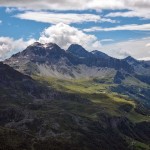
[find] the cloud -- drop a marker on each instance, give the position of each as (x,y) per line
(61,34)
(135,48)
(77,5)
(9,46)
(65,35)
(142,27)
(145,14)
(0,21)
(145,58)
(107,40)
(66,18)
(147,45)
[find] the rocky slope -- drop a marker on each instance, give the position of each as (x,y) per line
(49,60)
(78,100)
(35,116)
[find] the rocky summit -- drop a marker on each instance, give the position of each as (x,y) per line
(51,60)
(56,99)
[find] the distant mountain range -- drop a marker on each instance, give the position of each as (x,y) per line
(55,99)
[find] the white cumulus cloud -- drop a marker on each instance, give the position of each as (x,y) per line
(135,48)
(9,46)
(62,34)
(65,35)
(147,45)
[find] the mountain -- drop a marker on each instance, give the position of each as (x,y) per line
(135,84)
(49,113)
(15,85)
(60,98)
(130,59)
(13,81)
(140,67)
(100,54)
(78,51)
(76,62)
(20,88)
(49,60)
(147,63)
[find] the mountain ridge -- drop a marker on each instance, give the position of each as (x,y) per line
(39,52)
(58,100)
(49,60)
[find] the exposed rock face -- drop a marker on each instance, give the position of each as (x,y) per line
(120,76)
(51,60)
(18,85)
(100,54)
(78,51)
(131,60)
(34,116)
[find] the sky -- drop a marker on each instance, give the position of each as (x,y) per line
(119,28)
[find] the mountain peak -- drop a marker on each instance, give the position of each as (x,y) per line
(38,51)
(100,54)
(76,46)
(131,60)
(36,44)
(46,45)
(78,50)
(50,45)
